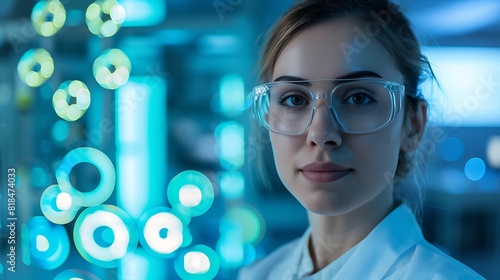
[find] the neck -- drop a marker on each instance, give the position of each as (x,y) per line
(332,236)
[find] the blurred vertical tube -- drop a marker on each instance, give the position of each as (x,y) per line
(141,160)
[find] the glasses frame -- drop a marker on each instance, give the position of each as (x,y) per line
(393,89)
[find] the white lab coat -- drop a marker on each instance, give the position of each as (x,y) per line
(394,249)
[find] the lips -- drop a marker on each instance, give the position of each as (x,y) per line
(324,172)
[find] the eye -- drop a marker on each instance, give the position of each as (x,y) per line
(359,98)
(294,101)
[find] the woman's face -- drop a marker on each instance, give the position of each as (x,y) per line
(331,172)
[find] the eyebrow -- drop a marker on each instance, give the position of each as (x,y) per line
(352,75)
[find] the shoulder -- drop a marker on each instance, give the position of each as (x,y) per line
(416,258)
(425,261)
(281,257)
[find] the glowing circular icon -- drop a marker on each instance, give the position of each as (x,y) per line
(160,231)
(191,193)
(75,274)
(35,67)
(104,17)
(197,263)
(48,16)
(246,221)
(104,234)
(474,169)
(97,158)
(112,69)
(45,245)
(72,89)
(57,206)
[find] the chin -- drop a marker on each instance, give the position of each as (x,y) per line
(328,205)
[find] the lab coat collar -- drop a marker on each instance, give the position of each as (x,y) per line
(395,234)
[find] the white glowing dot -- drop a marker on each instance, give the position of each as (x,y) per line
(117,14)
(42,244)
(109,28)
(493,152)
(196,262)
(64,201)
(174,228)
(190,195)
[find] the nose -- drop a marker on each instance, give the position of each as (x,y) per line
(324,130)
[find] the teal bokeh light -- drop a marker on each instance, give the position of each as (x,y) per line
(197,263)
(232,95)
(45,245)
(60,131)
(104,235)
(56,206)
(245,222)
(48,17)
(68,90)
(161,232)
(105,17)
(75,274)
(97,158)
(144,12)
(38,177)
(35,67)
(232,184)
(112,69)
(190,193)
(230,136)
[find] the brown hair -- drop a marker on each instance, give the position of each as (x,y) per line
(382,20)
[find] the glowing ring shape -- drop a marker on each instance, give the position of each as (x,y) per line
(161,232)
(67,90)
(97,158)
(35,67)
(112,69)
(104,8)
(75,274)
(47,244)
(57,206)
(48,17)
(182,185)
(197,263)
(104,235)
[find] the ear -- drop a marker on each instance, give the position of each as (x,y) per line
(414,127)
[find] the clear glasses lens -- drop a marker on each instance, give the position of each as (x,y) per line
(357,106)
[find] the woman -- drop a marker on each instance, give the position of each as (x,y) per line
(344,114)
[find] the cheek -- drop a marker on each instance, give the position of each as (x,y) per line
(283,147)
(280,146)
(377,154)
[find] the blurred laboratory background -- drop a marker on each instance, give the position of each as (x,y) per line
(127,151)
